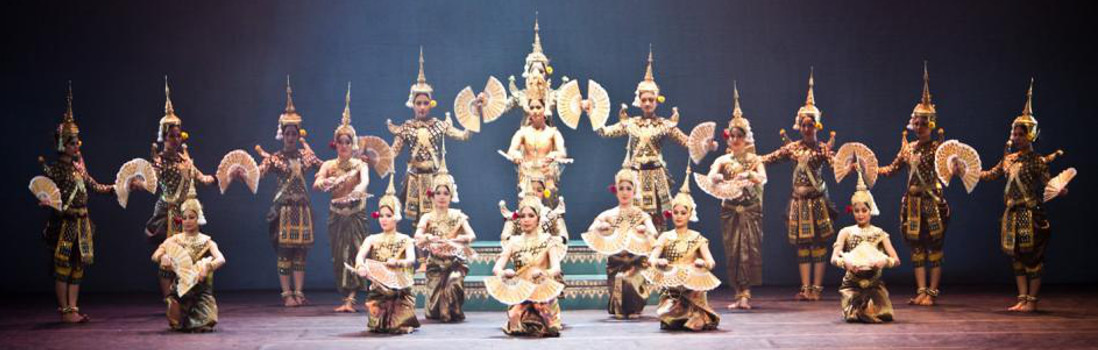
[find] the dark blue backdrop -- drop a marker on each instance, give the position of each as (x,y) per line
(228,60)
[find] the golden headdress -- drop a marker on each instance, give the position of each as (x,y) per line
(67,128)
(1027,120)
(738,121)
(290,115)
(443,177)
(345,127)
(684,198)
(648,84)
(809,108)
(627,173)
(421,86)
(536,55)
(169,119)
(532,201)
(192,203)
(862,195)
(390,200)
(925,108)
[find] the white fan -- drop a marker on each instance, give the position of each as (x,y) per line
(855,151)
(44,188)
(186,270)
(1056,184)
(966,155)
(237,159)
(729,189)
(700,138)
(135,168)
(509,291)
(864,256)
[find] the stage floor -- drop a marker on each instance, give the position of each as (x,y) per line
(968,317)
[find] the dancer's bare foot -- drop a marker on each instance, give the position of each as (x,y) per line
(288,299)
(1021,302)
(929,299)
(815,293)
(299,296)
(803,295)
(348,306)
(73,315)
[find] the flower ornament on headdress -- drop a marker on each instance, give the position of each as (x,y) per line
(809,109)
(925,108)
(648,84)
(738,121)
(67,128)
(169,119)
(390,200)
(421,86)
(862,195)
(684,198)
(1027,120)
(289,117)
(345,127)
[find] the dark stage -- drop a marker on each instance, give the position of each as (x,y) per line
(968,317)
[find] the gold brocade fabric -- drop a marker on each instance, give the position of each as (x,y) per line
(646,137)
(1023,218)
(683,309)
(196,310)
(628,289)
(424,139)
(810,214)
(391,311)
(924,213)
(291,217)
(70,233)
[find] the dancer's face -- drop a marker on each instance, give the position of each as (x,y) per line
(922,127)
(422,106)
(528,219)
(680,216)
(807,126)
(290,136)
(625,192)
(386,219)
(737,140)
(537,113)
(190,221)
(72,147)
(1018,137)
(861,213)
(344,146)
(648,103)
(174,138)
(441,197)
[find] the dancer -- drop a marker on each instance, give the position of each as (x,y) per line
(863,251)
(535,256)
(176,173)
(445,234)
(686,306)
(346,178)
(290,219)
(69,232)
(392,310)
(737,179)
(423,135)
(924,212)
(193,257)
(1025,226)
(810,210)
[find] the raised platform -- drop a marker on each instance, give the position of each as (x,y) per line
(968,318)
(584,277)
